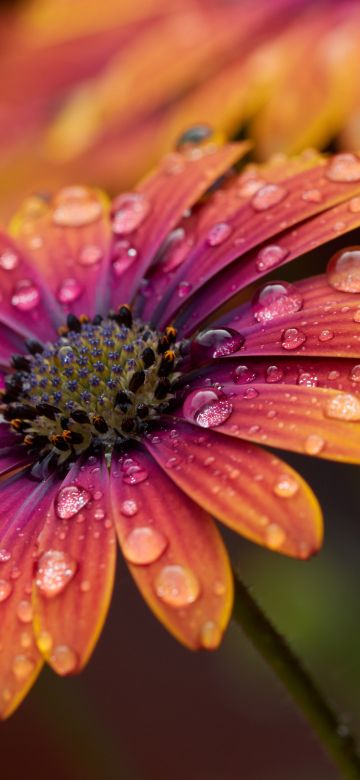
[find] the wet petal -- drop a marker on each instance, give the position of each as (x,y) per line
(247,488)
(173,550)
(74,570)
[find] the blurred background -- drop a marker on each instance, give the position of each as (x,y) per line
(96,92)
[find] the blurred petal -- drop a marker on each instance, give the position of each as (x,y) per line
(75,569)
(173,550)
(247,488)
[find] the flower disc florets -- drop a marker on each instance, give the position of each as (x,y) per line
(103,381)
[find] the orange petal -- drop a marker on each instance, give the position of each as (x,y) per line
(247,488)
(173,550)
(75,569)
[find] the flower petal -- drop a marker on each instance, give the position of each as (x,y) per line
(173,550)
(20,661)
(75,569)
(68,240)
(247,488)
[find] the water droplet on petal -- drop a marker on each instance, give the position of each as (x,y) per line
(174,250)
(292,338)
(274,536)
(133,472)
(344,167)
(274,374)
(268,196)
(218,233)
(129,508)
(286,486)
(308,379)
(128,212)
(343,406)
(343,270)
(55,570)
(5,590)
(356,317)
(184,289)
(326,335)
(69,291)
(25,611)
(70,500)
(314,444)
(5,555)
(206,408)
(177,586)
(23,667)
(26,295)
(90,255)
(210,635)
(276,299)
(124,255)
(9,260)
(63,659)
(243,374)
(355,373)
(270,256)
(144,545)
(75,207)
(354,205)
(312,196)
(216,342)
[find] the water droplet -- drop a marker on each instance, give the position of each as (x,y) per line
(218,233)
(343,270)
(175,249)
(128,212)
(44,642)
(26,640)
(90,255)
(243,374)
(5,590)
(326,335)
(99,514)
(23,667)
(177,586)
(214,343)
(276,299)
(314,444)
(5,555)
(55,570)
(274,536)
(194,136)
(129,508)
(354,205)
(124,256)
(9,260)
(343,406)
(144,545)
(269,257)
(63,659)
(355,373)
(344,167)
(210,635)
(25,611)
(133,472)
(286,486)
(70,500)
(292,338)
(356,317)
(250,392)
(184,289)
(268,196)
(206,408)
(274,374)
(26,295)
(308,379)
(75,207)
(69,291)
(312,196)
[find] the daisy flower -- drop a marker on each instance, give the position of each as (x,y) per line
(139,380)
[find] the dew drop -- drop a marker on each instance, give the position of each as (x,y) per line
(355,373)
(218,233)
(26,295)
(354,205)
(23,667)
(314,444)
(343,270)
(343,406)
(292,338)
(124,255)
(344,167)
(69,291)
(144,545)
(214,343)
(184,289)
(274,374)
(133,472)
(5,590)
(9,260)
(63,659)
(5,555)
(206,408)
(269,257)
(210,635)
(177,586)
(356,317)
(55,570)
(286,486)
(312,196)
(128,212)
(308,379)
(90,255)
(326,335)
(243,374)
(268,196)
(75,207)
(129,508)
(274,536)
(25,611)
(276,299)
(70,500)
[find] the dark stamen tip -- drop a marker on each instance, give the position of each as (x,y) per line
(34,347)
(136,381)
(148,357)
(99,423)
(73,323)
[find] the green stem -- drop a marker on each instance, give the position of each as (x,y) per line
(333,735)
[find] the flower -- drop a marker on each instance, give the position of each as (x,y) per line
(137,386)
(79,88)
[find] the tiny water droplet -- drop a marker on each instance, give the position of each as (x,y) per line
(90,255)
(5,590)
(129,508)
(274,374)
(286,486)
(326,335)
(354,205)
(343,270)
(133,472)
(128,212)
(274,536)
(5,555)
(210,635)
(25,611)
(270,256)
(218,233)
(268,196)
(26,295)
(175,250)
(55,570)
(308,379)
(75,207)
(144,545)
(177,586)
(276,299)
(23,667)
(243,374)
(314,444)
(63,659)
(355,373)
(312,196)
(292,338)
(124,255)
(69,291)
(184,289)
(9,259)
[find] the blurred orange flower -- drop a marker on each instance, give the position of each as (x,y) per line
(79,87)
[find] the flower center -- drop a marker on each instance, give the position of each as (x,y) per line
(101,382)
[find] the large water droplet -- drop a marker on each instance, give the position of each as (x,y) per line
(343,406)
(343,270)
(268,196)
(243,374)
(69,291)
(9,259)
(215,342)
(5,590)
(133,472)
(344,167)
(128,212)
(292,338)
(269,257)
(144,545)
(286,486)
(26,295)
(63,659)
(175,250)
(218,233)
(177,586)
(55,570)
(207,408)
(276,299)
(129,508)
(75,207)
(70,500)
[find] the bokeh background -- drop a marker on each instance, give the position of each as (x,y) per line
(95,92)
